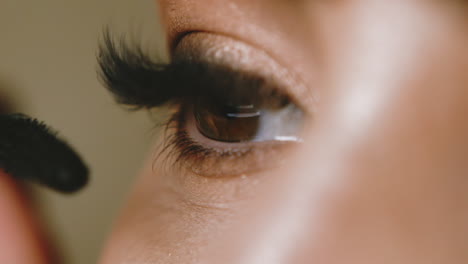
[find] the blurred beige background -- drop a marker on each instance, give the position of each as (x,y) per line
(47,68)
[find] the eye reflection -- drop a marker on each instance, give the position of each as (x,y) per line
(275,119)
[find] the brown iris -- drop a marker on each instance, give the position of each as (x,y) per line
(227,123)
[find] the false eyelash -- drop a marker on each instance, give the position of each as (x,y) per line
(136,80)
(130,75)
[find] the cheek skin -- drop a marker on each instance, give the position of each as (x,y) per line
(171,216)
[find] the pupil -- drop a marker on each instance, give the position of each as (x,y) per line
(227,123)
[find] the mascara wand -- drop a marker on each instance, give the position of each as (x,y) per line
(29,150)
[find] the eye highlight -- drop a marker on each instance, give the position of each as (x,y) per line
(227,123)
(248,121)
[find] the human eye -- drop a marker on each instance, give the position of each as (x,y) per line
(225,120)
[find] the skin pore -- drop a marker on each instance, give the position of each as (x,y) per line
(379,175)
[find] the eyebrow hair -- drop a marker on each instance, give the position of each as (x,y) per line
(138,81)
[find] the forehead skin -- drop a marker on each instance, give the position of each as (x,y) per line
(382,175)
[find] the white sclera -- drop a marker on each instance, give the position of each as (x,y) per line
(283,124)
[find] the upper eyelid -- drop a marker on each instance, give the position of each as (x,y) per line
(137,80)
(240,54)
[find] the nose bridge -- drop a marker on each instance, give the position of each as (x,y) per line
(354,192)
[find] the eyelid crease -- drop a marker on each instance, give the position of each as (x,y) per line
(242,54)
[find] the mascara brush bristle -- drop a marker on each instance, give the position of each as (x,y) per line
(30,150)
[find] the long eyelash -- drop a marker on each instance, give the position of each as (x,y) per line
(136,80)
(125,70)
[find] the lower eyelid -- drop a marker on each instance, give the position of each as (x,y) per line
(192,152)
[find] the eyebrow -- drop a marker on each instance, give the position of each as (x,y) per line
(138,81)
